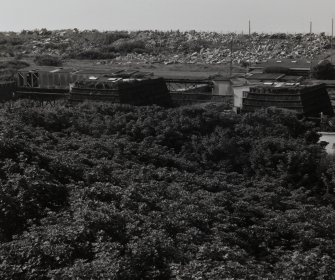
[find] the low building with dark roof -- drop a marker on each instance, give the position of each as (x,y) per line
(310,100)
(134,91)
(120,86)
(49,77)
(273,77)
(292,67)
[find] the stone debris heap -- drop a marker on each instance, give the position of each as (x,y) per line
(170,47)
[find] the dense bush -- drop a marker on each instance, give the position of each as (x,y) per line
(110,37)
(48,60)
(119,192)
(14,64)
(324,71)
(13,40)
(128,45)
(8,69)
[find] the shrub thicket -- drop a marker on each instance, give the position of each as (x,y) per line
(48,60)
(119,192)
(324,71)
(129,45)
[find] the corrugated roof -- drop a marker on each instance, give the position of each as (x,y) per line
(50,69)
(129,73)
(104,79)
(289,63)
(289,85)
(265,76)
(291,78)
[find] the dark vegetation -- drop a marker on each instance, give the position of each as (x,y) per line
(8,69)
(119,47)
(324,71)
(13,64)
(121,192)
(48,60)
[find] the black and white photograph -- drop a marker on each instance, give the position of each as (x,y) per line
(167,140)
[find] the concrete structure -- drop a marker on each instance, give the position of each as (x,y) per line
(233,87)
(48,77)
(273,77)
(310,100)
(238,95)
(119,90)
(44,77)
(295,67)
(328,137)
(121,86)
(185,85)
(330,84)
(223,86)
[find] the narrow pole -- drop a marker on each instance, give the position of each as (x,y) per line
(249,28)
(231,58)
(331,42)
(310,33)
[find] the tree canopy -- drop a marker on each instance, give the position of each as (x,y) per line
(324,71)
(103,191)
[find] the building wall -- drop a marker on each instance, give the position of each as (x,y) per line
(330,138)
(316,100)
(238,95)
(223,88)
(46,79)
(310,100)
(146,92)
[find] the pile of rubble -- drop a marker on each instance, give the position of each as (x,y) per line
(175,46)
(216,48)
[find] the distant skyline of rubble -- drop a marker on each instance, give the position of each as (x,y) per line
(206,15)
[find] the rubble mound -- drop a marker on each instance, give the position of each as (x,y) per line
(170,47)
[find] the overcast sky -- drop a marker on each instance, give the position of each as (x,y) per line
(208,15)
